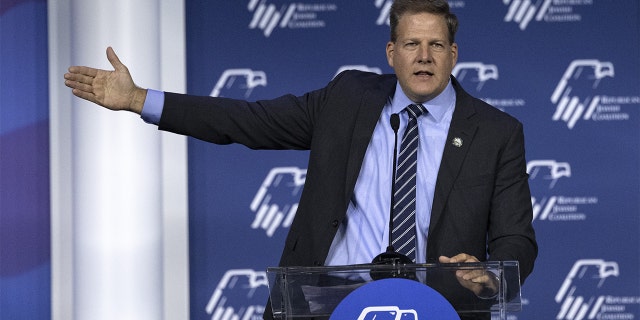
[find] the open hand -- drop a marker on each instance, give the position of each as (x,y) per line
(114,90)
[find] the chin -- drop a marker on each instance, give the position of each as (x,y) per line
(423,97)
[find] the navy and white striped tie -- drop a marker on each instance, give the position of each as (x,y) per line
(404,210)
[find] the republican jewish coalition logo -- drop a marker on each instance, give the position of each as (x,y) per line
(577,296)
(238,83)
(268,16)
(393,299)
(385,6)
(577,97)
(387,312)
(570,106)
(276,201)
(477,74)
(240,294)
(549,11)
(554,170)
(549,205)
(583,295)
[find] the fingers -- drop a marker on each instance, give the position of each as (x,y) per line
(459,258)
(72,78)
(79,87)
(474,275)
(81,79)
(80,83)
(481,282)
(479,277)
(83,74)
(79,71)
(89,96)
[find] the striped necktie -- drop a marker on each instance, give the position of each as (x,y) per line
(404,210)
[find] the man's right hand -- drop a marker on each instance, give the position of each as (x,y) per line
(114,90)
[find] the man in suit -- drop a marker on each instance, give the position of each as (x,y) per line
(472,196)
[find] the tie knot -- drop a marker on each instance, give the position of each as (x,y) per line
(415,110)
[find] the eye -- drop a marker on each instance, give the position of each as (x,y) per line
(411,44)
(439,46)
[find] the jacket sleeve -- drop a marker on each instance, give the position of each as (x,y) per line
(511,235)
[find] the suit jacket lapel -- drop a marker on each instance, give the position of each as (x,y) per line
(368,114)
(461,133)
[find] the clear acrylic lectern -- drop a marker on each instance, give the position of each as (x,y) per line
(300,292)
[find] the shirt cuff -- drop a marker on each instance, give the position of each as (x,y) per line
(152,108)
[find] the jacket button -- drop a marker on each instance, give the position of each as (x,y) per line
(317,263)
(335,223)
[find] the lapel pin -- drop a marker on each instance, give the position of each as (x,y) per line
(457,142)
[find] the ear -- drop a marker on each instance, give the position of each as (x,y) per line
(454,53)
(390,51)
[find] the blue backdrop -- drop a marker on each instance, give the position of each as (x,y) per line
(25,263)
(569,70)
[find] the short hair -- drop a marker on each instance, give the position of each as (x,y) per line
(438,7)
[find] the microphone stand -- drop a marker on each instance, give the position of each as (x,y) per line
(390,256)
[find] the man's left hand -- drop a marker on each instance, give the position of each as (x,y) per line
(481,282)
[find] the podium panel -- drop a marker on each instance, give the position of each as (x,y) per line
(301,292)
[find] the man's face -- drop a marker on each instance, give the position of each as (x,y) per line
(422,56)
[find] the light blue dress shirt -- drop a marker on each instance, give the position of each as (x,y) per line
(153,105)
(365,232)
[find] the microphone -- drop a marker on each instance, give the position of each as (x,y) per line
(390,256)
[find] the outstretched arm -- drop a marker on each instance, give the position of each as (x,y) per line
(114,90)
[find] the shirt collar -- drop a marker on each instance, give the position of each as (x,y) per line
(437,106)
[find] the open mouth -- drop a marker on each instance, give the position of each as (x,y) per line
(423,73)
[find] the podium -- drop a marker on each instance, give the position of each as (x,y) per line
(301,292)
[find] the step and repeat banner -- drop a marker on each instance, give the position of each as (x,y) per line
(568,69)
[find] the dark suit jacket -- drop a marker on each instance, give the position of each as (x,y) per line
(482,202)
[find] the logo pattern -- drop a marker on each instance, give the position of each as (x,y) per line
(579,296)
(575,99)
(589,89)
(240,294)
(556,170)
(569,106)
(276,201)
(238,83)
(478,72)
(561,208)
(387,312)
(523,12)
(475,74)
(267,17)
(385,7)
(554,207)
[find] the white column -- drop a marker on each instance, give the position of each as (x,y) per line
(174,166)
(117,202)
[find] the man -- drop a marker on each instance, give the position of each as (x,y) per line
(472,199)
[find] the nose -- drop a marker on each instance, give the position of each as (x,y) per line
(424,54)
